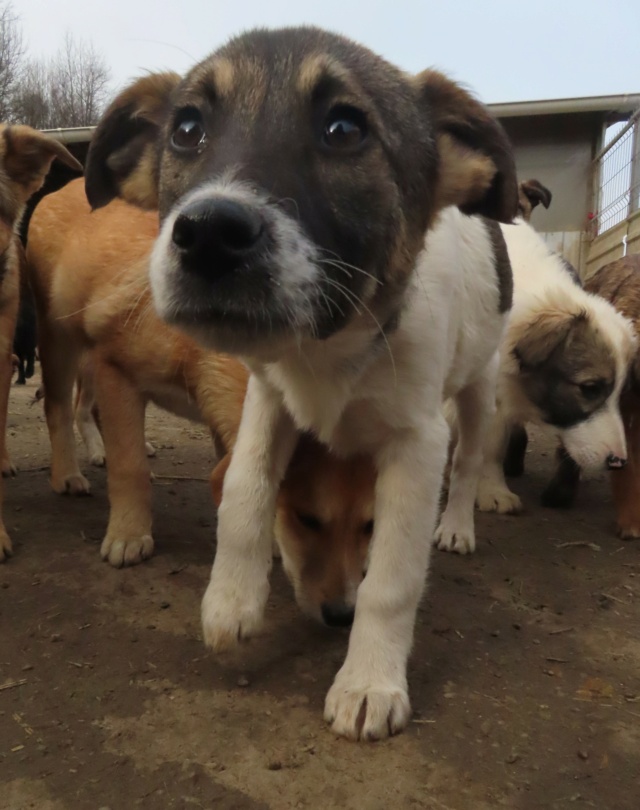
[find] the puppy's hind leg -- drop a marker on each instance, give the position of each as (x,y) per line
(493,494)
(475,408)
(59,356)
(561,491)
(84,414)
(626,482)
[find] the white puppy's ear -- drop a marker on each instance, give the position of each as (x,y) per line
(477,171)
(123,155)
(543,336)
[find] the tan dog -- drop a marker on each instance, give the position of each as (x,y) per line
(88,273)
(25,158)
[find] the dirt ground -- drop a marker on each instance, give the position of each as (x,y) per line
(525,677)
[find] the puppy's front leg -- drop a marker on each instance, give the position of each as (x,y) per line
(493,494)
(368,699)
(128,540)
(234,602)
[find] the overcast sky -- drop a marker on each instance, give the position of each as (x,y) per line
(507,50)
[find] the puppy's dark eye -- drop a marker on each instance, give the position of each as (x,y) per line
(345,128)
(368,528)
(592,389)
(188,133)
(310,522)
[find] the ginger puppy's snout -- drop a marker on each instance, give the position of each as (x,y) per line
(214,237)
(337,614)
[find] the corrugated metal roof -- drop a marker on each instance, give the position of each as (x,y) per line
(625,103)
(70,134)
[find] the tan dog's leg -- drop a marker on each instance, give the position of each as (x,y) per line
(128,540)
(85,421)
(10,304)
(626,482)
(59,357)
(8,469)
(6,374)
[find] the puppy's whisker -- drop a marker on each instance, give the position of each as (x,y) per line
(358,301)
(339,264)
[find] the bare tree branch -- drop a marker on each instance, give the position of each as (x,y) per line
(69,90)
(11,56)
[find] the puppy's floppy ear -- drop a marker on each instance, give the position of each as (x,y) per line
(543,336)
(27,156)
(477,170)
(536,193)
(123,155)
(217,478)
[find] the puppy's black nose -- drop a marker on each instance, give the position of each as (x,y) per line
(615,462)
(337,614)
(214,237)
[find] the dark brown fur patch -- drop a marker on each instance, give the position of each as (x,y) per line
(619,283)
(502,265)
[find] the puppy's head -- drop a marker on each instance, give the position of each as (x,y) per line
(296,174)
(530,194)
(324,523)
(26,156)
(573,364)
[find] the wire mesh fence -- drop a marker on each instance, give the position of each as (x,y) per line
(617,168)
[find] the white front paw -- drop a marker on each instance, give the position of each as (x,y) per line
(492,497)
(231,613)
(361,709)
(459,539)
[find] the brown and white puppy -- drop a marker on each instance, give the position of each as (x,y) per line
(530,194)
(25,158)
(89,275)
(564,362)
(303,185)
(619,283)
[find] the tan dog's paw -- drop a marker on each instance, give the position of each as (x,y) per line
(628,530)
(6,549)
(492,498)
(151,450)
(98,460)
(459,540)
(230,615)
(9,470)
(125,551)
(367,713)
(71,485)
